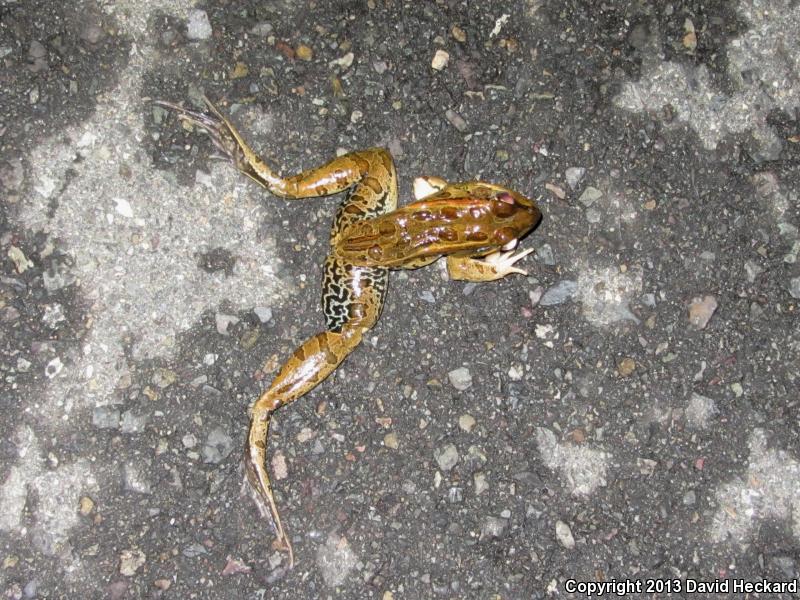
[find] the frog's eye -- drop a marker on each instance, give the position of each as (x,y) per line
(505,197)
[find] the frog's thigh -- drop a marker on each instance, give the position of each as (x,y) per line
(374,194)
(416,263)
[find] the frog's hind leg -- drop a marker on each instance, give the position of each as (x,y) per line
(370,167)
(308,366)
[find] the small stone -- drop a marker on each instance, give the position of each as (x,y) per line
(21,262)
(86,505)
(131,561)
(440,60)
(53,368)
(240,70)
(303,52)
(198,27)
(194,550)
(356,116)
(53,315)
(593,215)
(446,456)
(574,176)
(279,468)
(217,447)
(224,321)
(163,378)
(752,270)
(306,434)
(564,535)
(163,584)
(390,441)
(132,422)
(699,411)
(689,498)
(626,366)
(737,389)
(92,33)
(344,62)
(455,119)
(589,196)
(458,34)
(36,50)
(395,147)
(264,313)
(535,295)
(544,254)
(493,527)
(12,174)
(105,417)
(466,422)
(559,293)
(262,29)
(557,191)
(480,482)
(189,441)
(516,372)
(791,256)
(794,287)
(701,310)
(690,37)
(460,378)
(135,480)
(234,566)
(427,296)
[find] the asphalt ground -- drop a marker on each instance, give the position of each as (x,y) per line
(626,413)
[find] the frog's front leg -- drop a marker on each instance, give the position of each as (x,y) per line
(492,267)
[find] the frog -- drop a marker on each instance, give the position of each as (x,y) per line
(474,225)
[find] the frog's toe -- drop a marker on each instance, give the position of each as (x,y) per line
(503,262)
(427,185)
(214,125)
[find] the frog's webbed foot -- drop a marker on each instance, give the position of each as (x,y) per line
(492,267)
(503,262)
(257,479)
(215,125)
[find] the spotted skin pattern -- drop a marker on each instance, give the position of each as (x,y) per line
(370,236)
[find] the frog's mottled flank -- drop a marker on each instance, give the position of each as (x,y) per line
(464,222)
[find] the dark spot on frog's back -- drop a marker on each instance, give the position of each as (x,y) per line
(448,234)
(504,235)
(375,252)
(450,213)
(216,260)
(502,210)
(477,236)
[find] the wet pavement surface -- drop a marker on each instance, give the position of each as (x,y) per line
(628,411)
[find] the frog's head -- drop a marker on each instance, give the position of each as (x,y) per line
(495,214)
